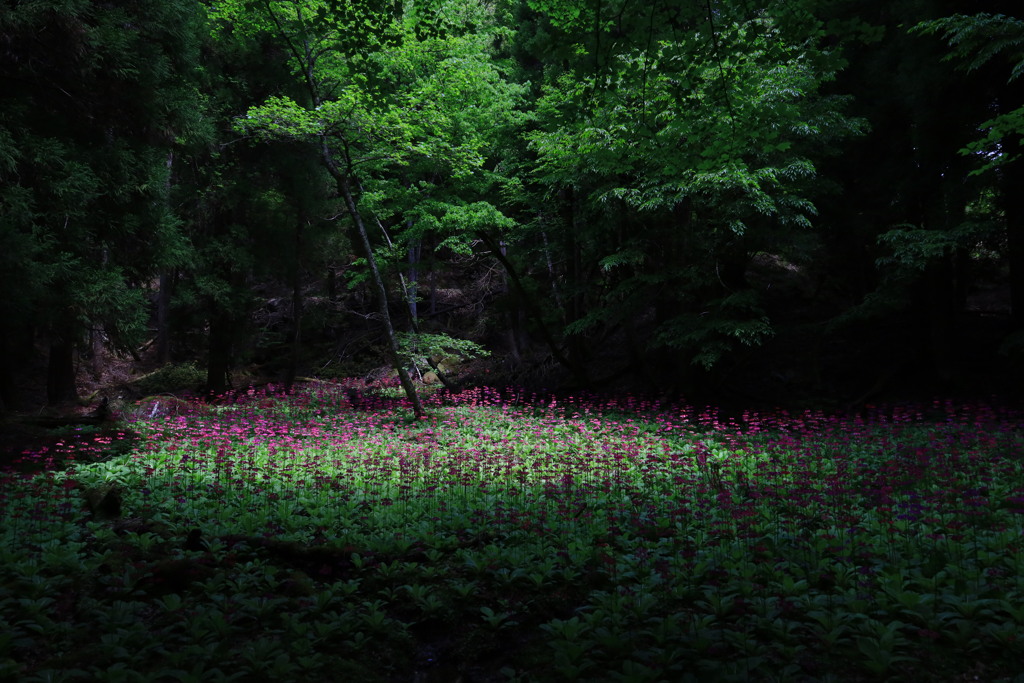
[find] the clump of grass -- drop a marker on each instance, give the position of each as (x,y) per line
(514,537)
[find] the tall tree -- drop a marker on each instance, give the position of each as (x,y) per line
(900,233)
(393,98)
(94,97)
(975,42)
(675,141)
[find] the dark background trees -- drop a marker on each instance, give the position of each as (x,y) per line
(94,96)
(717,200)
(918,243)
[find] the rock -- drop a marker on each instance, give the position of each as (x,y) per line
(104,502)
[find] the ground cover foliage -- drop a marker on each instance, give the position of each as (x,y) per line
(325,535)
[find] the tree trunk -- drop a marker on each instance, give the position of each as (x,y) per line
(941,295)
(513,314)
(60,372)
(531,308)
(218,362)
(163,297)
(344,186)
(332,284)
(17,350)
(1013,206)
(163,318)
(296,334)
(553,275)
(578,351)
(414,259)
(432,278)
(7,390)
(96,353)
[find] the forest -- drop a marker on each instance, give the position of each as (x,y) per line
(768,203)
(501,341)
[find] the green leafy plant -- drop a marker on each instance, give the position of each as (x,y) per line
(555,540)
(420,349)
(170,378)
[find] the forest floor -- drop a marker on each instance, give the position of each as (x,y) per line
(516,537)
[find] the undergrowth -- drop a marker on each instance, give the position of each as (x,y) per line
(507,537)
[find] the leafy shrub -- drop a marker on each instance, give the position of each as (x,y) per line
(171,377)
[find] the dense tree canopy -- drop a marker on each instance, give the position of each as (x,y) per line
(782,197)
(94,98)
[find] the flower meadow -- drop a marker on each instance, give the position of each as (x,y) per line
(515,537)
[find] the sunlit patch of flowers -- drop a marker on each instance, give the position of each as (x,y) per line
(543,538)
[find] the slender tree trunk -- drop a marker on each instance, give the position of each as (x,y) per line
(575,343)
(414,324)
(163,298)
(96,353)
(532,310)
(7,390)
(513,315)
(218,361)
(553,275)
(296,335)
(941,296)
(332,284)
(409,292)
(342,180)
(163,318)
(432,279)
(1013,206)
(415,248)
(344,186)
(17,347)
(60,372)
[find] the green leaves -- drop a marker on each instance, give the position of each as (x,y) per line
(913,248)
(977,39)
(682,144)
(974,41)
(564,14)
(98,102)
(662,112)
(419,111)
(453,221)
(281,117)
(714,332)
(988,147)
(420,348)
